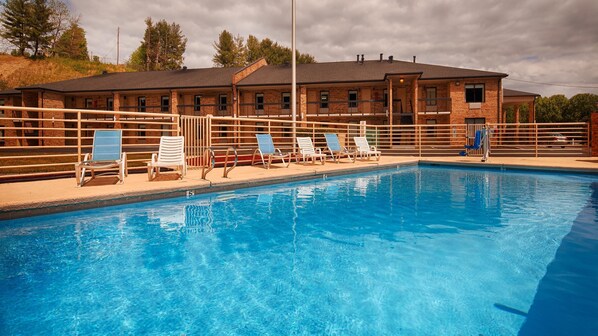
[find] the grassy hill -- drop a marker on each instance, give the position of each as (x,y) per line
(22,71)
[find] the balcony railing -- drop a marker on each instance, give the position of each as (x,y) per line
(347,108)
(434,106)
(224,110)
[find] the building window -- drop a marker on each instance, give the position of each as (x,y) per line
(88,103)
(259,101)
(164,103)
(222,104)
(110,104)
(385,98)
(431,96)
(324,95)
(141,104)
(474,93)
(286,100)
(2,103)
(196,103)
(352,98)
(141,132)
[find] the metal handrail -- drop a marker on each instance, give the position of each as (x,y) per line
(210,156)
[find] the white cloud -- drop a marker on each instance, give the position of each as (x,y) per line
(536,41)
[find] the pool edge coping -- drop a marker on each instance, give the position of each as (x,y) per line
(46,208)
(90,202)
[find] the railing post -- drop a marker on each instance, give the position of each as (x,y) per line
(419,138)
(536,137)
(78,136)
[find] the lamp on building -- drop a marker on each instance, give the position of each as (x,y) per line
(401,80)
(457,83)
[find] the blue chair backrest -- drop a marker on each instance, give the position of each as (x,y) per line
(477,142)
(264,142)
(107,145)
(332,142)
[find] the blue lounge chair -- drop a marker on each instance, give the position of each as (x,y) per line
(267,151)
(336,150)
(106,154)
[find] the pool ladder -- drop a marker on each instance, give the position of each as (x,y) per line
(210,163)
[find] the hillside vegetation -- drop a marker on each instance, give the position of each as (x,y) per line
(18,71)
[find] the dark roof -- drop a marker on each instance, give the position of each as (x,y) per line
(122,81)
(338,72)
(331,72)
(515,93)
(10,93)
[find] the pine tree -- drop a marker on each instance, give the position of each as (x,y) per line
(162,47)
(14,20)
(40,27)
(230,51)
(72,43)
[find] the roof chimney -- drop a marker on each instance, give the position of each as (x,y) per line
(413,59)
(357,58)
(390,58)
(381,56)
(362,59)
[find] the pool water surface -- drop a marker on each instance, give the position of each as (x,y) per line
(412,251)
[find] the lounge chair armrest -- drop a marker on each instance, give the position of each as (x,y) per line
(373,148)
(279,151)
(87,157)
(154,157)
(319,150)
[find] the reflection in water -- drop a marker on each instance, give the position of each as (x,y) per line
(199,218)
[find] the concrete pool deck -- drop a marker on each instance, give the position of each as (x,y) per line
(23,199)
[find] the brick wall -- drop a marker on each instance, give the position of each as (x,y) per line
(52,100)
(248,70)
(209,101)
(489,108)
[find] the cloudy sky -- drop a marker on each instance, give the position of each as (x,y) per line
(542,41)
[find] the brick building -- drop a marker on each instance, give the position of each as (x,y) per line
(382,91)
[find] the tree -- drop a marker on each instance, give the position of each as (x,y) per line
(162,47)
(550,109)
(27,24)
(72,43)
(61,21)
(230,51)
(40,27)
(253,48)
(14,20)
(580,107)
(137,59)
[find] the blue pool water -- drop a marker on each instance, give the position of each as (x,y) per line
(412,251)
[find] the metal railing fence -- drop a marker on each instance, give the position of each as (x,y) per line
(48,141)
(42,141)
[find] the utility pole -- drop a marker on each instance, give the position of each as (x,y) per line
(294,78)
(117,45)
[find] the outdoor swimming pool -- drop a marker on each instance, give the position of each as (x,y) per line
(412,251)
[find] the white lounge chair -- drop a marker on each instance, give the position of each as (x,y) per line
(106,154)
(267,150)
(365,150)
(171,154)
(307,151)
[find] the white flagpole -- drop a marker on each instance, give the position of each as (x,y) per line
(294,78)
